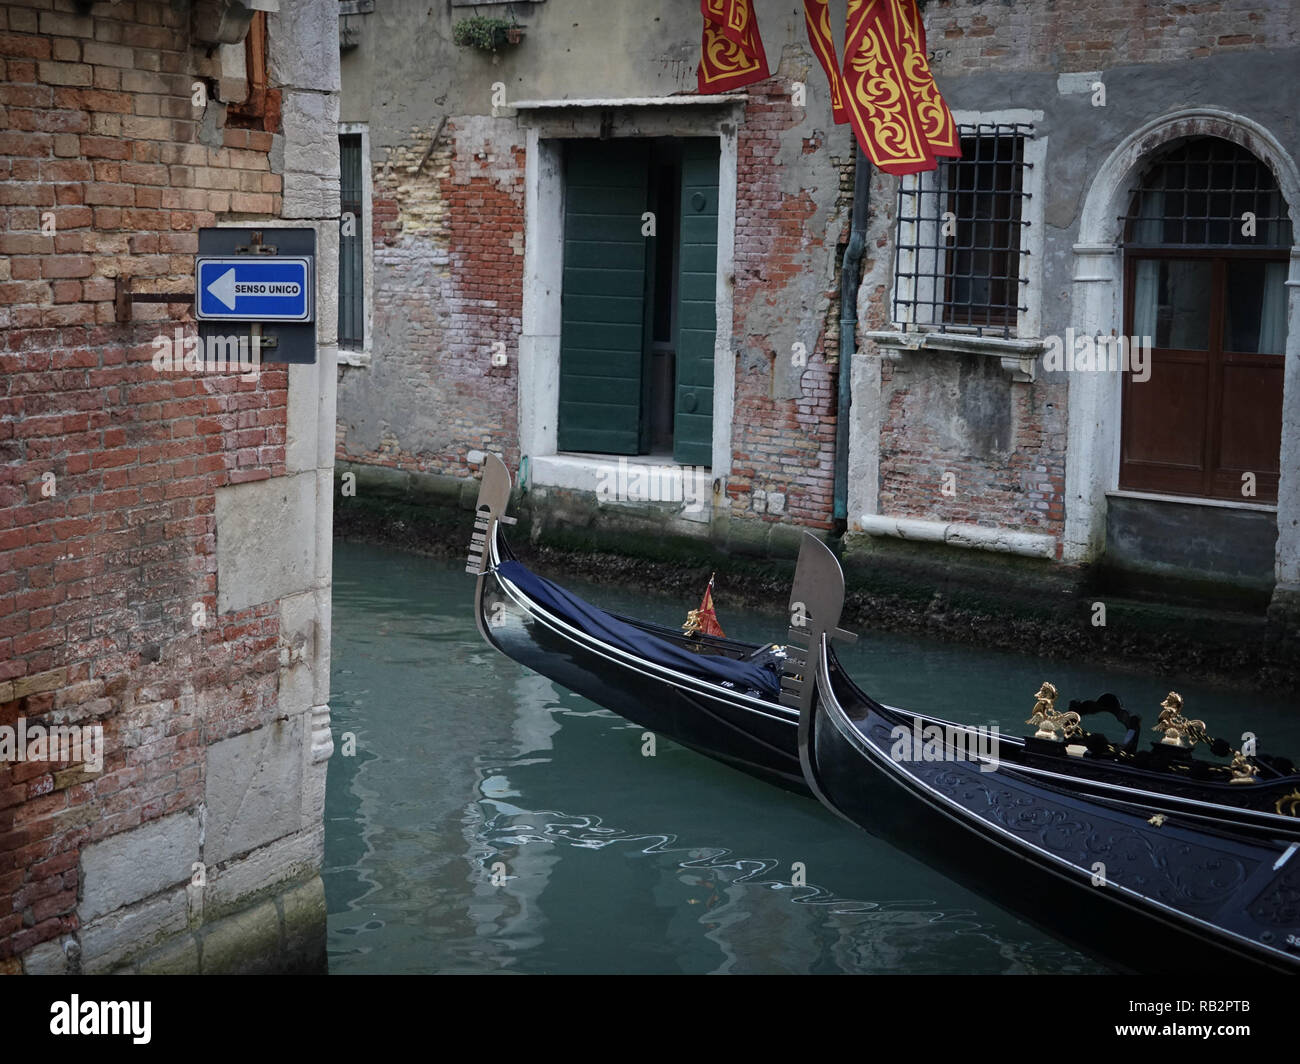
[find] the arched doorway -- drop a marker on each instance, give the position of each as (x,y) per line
(1206,243)
(1100,305)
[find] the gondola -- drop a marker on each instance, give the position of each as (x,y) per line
(722,698)
(717,696)
(1152,891)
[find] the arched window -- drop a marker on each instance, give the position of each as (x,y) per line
(1206,243)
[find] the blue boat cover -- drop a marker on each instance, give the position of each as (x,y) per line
(741,675)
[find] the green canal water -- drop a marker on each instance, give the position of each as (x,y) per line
(492,822)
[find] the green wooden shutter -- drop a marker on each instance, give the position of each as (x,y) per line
(696,314)
(603,320)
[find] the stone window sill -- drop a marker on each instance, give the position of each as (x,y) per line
(354,358)
(1019,358)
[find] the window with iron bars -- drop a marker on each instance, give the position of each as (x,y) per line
(352,281)
(960,241)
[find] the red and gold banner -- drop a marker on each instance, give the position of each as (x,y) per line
(731,53)
(936,120)
(817,16)
(881,108)
(886,91)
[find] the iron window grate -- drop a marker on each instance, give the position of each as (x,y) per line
(960,250)
(1206,193)
(352,282)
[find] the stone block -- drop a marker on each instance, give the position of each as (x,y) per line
(180,956)
(262,872)
(131,865)
(48,958)
(305,927)
(245,943)
(254,789)
(303,40)
(266,540)
(117,937)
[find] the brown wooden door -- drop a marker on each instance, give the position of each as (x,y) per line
(1211,410)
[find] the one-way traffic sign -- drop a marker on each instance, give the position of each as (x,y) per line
(248,288)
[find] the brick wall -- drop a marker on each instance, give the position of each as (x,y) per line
(448,240)
(782,446)
(1011,475)
(101,567)
(448,233)
(1027,35)
(1015,477)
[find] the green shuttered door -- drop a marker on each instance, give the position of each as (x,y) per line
(696,315)
(606,315)
(602,339)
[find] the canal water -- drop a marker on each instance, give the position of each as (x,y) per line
(488,821)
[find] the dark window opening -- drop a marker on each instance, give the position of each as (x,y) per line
(960,247)
(352,229)
(1207,192)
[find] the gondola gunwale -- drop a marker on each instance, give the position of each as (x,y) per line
(988,831)
(1219,816)
(625,660)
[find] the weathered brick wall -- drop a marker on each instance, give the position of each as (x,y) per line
(968,35)
(1008,465)
(1002,443)
(783,446)
(448,233)
(101,567)
(946,413)
(448,247)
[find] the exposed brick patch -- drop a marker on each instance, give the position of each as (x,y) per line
(448,239)
(781,446)
(1024,35)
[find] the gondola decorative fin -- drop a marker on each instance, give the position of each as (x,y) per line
(493,498)
(816,602)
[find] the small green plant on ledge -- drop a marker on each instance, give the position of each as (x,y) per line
(486,33)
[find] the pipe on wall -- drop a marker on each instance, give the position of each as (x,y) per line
(850,276)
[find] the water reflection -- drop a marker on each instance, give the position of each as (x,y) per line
(491,822)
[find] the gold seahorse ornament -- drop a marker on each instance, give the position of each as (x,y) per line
(1052,725)
(1184,734)
(1179,731)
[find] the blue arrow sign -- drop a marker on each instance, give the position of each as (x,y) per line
(253,289)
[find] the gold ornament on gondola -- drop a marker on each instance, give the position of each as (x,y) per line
(1183,734)
(1242,770)
(1053,725)
(1288,804)
(1178,730)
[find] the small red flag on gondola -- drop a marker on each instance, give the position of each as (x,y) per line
(704,620)
(708,619)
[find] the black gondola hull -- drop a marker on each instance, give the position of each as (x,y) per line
(1148,898)
(757,737)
